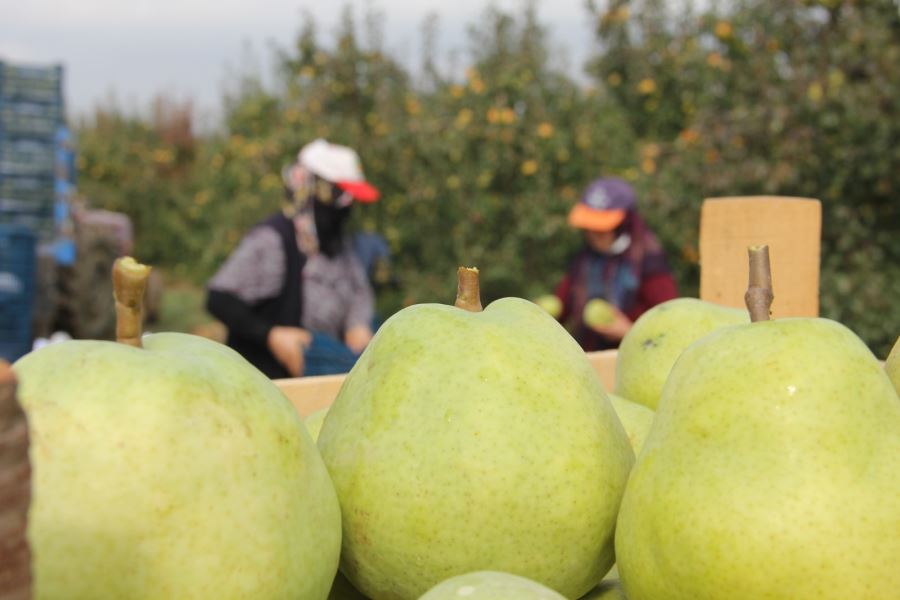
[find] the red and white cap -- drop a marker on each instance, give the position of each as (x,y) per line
(339,165)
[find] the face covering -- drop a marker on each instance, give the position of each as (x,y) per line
(330,221)
(320,211)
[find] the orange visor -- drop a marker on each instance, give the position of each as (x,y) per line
(583,216)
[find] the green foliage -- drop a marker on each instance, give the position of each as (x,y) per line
(144,168)
(794,98)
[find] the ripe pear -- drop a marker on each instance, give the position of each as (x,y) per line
(490,585)
(772,471)
(468,441)
(551,304)
(656,339)
(598,312)
(636,419)
(171,470)
(892,365)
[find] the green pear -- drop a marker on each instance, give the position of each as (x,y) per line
(551,304)
(892,365)
(314,421)
(656,339)
(598,312)
(490,585)
(172,470)
(636,419)
(466,441)
(772,471)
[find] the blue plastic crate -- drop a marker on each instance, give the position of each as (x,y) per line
(31,83)
(10,209)
(39,223)
(17,283)
(28,189)
(27,158)
(27,215)
(36,120)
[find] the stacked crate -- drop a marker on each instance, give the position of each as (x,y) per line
(31,182)
(31,116)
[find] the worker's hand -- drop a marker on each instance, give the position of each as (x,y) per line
(617,329)
(287,345)
(357,338)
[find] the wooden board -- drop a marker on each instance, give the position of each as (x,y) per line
(309,394)
(791,227)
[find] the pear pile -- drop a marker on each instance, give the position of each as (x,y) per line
(770,469)
(473,453)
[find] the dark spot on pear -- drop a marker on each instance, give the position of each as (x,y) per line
(652,342)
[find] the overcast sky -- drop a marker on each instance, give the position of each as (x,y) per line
(136,49)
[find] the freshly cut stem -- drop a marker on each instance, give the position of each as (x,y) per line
(129,281)
(759,294)
(468,290)
(15,483)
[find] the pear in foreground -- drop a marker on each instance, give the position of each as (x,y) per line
(656,339)
(490,585)
(772,471)
(636,419)
(172,470)
(892,365)
(467,441)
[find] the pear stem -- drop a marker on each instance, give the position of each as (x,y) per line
(129,281)
(759,294)
(15,481)
(468,290)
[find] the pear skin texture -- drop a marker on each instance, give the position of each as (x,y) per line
(636,419)
(464,442)
(772,471)
(892,366)
(656,339)
(490,585)
(173,471)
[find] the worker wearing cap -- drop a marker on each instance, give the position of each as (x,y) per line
(294,288)
(621,262)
